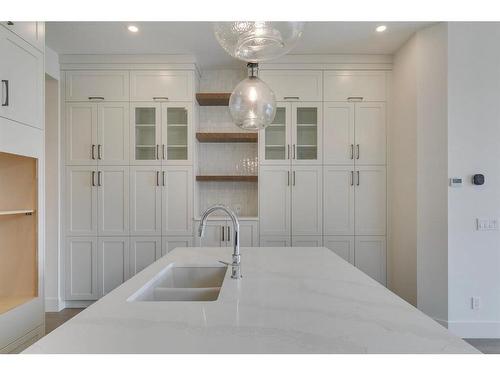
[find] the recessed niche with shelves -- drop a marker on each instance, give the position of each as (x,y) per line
(18,230)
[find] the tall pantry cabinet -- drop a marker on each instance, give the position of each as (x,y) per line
(128,172)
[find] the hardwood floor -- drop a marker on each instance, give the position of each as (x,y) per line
(55,319)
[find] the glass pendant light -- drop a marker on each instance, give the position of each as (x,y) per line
(252,104)
(257,41)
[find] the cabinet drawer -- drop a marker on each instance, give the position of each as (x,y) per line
(168,85)
(342,85)
(303,85)
(108,85)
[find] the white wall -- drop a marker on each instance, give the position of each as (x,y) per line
(474,147)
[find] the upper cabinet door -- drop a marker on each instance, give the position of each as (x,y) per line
(370,201)
(275,140)
(338,133)
(21,75)
(176,133)
(81,201)
(307,200)
(113,134)
(307,130)
(370,145)
(81,134)
(294,85)
(145,201)
(31,31)
(149,85)
(177,201)
(274,201)
(113,206)
(338,198)
(108,85)
(145,133)
(341,86)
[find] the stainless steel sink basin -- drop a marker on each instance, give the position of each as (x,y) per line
(183,283)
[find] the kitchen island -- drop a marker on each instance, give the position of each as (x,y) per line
(290,300)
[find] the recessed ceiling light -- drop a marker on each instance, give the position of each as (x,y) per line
(381,28)
(133,29)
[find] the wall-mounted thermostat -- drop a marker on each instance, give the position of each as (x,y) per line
(456,181)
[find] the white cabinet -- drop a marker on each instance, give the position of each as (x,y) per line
(97,133)
(354,133)
(370,256)
(177,201)
(361,85)
(170,243)
(343,246)
(249,233)
(113,263)
(370,201)
(113,200)
(275,201)
(275,241)
(370,133)
(143,252)
(303,85)
(294,136)
(307,241)
(21,80)
(81,201)
(161,133)
(220,233)
(32,32)
(338,198)
(307,200)
(145,201)
(81,268)
(89,85)
(149,85)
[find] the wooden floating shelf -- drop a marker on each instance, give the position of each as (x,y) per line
(227,178)
(213,98)
(17,212)
(228,137)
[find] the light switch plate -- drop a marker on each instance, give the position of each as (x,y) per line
(487,224)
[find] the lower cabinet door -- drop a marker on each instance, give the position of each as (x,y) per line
(307,241)
(113,262)
(249,233)
(143,252)
(170,243)
(81,268)
(343,246)
(370,256)
(275,241)
(215,234)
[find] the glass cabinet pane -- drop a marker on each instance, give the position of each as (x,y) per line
(275,147)
(177,133)
(145,133)
(307,133)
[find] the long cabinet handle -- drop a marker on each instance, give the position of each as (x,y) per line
(99,179)
(99,152)
(352,178)
(354,98)
(223,231)
(5,83)
(228,234)
(163,174)
(288,178)
(157,178)
(357,182)
(96,97)
(163,151)
(291,97)
(157,152)
(357,151)
(294,152)
(160,98)
(93,152)
(293,178)
(93,178)
(288,152)
(352,152)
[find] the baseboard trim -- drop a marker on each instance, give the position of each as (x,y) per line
(54,305)
(25,341)
(475,330)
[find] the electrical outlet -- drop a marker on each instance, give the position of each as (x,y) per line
(475,303)
(487,224)
(237,208)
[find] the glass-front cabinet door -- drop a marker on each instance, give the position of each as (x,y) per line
(275,147)
(307,133)
(175,133)
(145,135)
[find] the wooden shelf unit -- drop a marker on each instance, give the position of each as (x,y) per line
(250,137)
(228,178)
(213,98)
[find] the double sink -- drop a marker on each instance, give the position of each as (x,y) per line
(178,282)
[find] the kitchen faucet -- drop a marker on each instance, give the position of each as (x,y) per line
(236,264)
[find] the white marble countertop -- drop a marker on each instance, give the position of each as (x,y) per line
(290,300)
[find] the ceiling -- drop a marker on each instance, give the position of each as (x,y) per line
(197,38)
